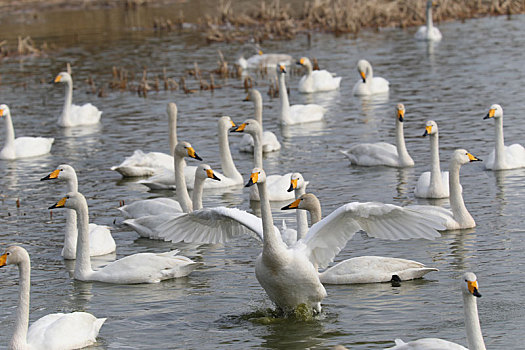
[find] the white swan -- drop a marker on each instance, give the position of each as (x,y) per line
(277,184)
(230,176)
(74,115)
(280,269)
(470,292)
(363,269)
(318,80)
(100,240)
(296,114)
(433,183)
(458,217)
(146,225)
(369,85)
(382,153)
(503,157)
(54,331)
(290,235)
(21,147)
(270,142)
(264,60)
(132,269)
(428,32)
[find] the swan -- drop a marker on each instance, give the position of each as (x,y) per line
(428,32)
(54,331)
(382,153)
(296,114)
(146,225)
(74,115)
(469,290)
(503,157)
(270,142)
(100,240)
(459,217)
(363,269)
(264,60)
(230,176)
(277,184)
(21,147)
(279,268)
(132,269)
(289,235)
(147,164)
(316,81)
(369,85)
(433,183)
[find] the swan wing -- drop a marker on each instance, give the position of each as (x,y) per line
(86,114)
(373,154)
(153,206)
(32,146)
(144,164)
(307,113)
(426,344)
(326,238)
(101,241)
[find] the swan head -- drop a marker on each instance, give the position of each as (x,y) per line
(250,126)
(226,123)
(462,156)
(431,128)
(400,112)
(470,284)
(365,69)
(63,77)
(306,201)
(63,172)
(204,171)
(296,181)
(72,200)
(184,149)
(431,3)
(4,110)
(304,61)
(281,69)
(172,110)
(13,255)
(257,176)
(495,111)
(253,95)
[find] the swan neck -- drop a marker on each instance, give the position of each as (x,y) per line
(404,157)
(435,170)
(301,215)
(83,261)
(472,326)
(315,213)
(499,156)
(9,130)
(71,234)
(198,187)
(285,104)
(19,339)
(459,211)
(257,148)
(172,128)
(180,183)
(227,165)
(430,23)
(271,238)
(257,104)
(66,111)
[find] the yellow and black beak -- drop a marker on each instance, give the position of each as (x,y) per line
(58,78)
(293,185)
(3,260)
(472,158)
(401,115)
(239,128)
(282,68)
(211,175)
(300,62)
(363,76)
(473,288)
(490,114)
(52,176)
(247,98)
(60,204)
(428,130)
(1,112)
(254,177)
(193,154)
(293,205)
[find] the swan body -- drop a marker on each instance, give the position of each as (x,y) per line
(277,184)
(296,114)
(503,157)
(150,207)
(21,147)
(264,60)
(433,183)
(369,85)
(101,241)
(52,332)
(458,217)
(132,269)
(381,153)
(74,115)
(318,80)
(469,291)
(230,176)
(428,32)
(269,140)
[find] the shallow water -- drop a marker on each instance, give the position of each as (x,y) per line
(454,82)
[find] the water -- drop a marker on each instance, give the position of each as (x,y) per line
(454,82)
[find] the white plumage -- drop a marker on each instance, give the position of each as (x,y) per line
(316,80)
(368,84)
(428,32)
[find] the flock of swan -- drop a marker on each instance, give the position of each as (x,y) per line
(290,257)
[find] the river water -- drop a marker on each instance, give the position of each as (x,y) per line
(478,63)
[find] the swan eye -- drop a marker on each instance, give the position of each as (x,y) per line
(8,253)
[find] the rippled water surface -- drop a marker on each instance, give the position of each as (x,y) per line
(478,63)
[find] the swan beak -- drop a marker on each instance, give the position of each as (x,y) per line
(53,175)
(260,52)
(282,68)
(193,154)
(363,76)
(473,288)
(59,204)
(211,175)
(293,185)
(401,115)
(490,114)
(428,130)
(239,128)
(300,62)
(57,79)
(472,158)
(3,260)
(247,98)
(253,179)
(293,205)
(1,112)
